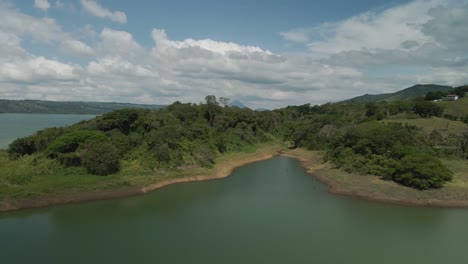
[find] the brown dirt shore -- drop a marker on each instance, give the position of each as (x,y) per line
(221,170)
(383,191)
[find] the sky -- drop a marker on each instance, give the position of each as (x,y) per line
(265,53)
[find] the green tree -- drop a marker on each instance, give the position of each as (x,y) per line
(212,107)
(99,158)
(421,171)
(21,147)
(70,141)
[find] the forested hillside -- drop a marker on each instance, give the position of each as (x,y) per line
(128,144)
(408,94)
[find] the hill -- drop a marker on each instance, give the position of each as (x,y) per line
(457,108)
(238,103)
(53,107)
(410,93)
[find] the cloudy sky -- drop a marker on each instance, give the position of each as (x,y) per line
(265,53)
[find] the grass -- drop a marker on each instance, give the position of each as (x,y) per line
(36,175)
(454,193)
(455,108)
(444,126)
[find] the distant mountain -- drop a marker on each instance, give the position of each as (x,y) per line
(261,109)
(238,103)
(53,107)
(413,92)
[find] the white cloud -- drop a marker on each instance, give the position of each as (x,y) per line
(374,52)
(120,43)
(97,10)
(160,37)
(374,31)
(19,24)
(76,48)
(44,5)
(300,35)
(38,69)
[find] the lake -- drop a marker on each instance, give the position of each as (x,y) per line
(266,212)
(13,126)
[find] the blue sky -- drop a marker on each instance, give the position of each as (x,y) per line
(264,53)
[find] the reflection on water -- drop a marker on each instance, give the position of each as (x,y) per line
(267,212)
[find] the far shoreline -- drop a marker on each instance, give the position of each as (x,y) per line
(312,163)
(309,160)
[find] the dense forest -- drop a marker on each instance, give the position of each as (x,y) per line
(356,137)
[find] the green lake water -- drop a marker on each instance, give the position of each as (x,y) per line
(13,126)
(267,212)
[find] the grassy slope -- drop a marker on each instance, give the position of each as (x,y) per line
(371,187)
(444,126)
(456,108)
(46,177)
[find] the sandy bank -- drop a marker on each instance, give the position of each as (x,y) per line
(221,170)
(371,188)
(365,187)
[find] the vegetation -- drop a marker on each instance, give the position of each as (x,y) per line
(141,146)
(131,146)
(408,94)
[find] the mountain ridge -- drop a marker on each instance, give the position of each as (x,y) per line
(410,93)
(65,107)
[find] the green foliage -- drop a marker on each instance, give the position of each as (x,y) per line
(204,154)
(388,150)
(69,142)
(183,136)
(99,158)
(434,95)
(21,147)
(120,119)
(421,171)
(427,109)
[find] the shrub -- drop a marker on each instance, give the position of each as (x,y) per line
(99,158)
(204,154)
(69,142)
(21,147)
(421,171)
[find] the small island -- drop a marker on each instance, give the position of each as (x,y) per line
(402,151)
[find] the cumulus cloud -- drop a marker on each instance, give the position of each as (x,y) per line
(95,9)
(160,37)
(44,5)
(373,52)
(76,48)
(118,42)
(420,41)
(40,29)
(38,69)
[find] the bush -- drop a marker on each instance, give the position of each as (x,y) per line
(421,171)
(69,142)
(21,147)
(204,155)
(99,158)
(69,159)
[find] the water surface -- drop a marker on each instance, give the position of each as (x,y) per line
(13,126)
(267,212)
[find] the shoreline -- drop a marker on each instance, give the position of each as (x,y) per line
(335,188)
(223,170)
(220,171)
